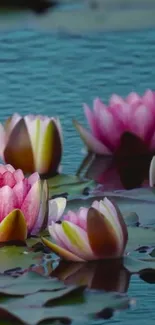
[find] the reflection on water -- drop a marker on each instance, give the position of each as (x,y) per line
(109,275)
(119,174)
(127,169)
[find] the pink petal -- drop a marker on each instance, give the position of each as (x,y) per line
(142,122)
(134,99)
(122,113)
(27,187)
(39,221)
(79,243)
(8,201)
(18,175)
(92,121)
(91,142)
(82,218)
(116,101)
(33,178)
(10,168)
(7,179)
(149,99)
(5,168)
(31,205)
(83,252)
(71,216)
(79,218)
(63,253)
(55,234)
(19,190)
(110,126)
(98,104)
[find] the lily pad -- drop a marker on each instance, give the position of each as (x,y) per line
(14,257)
(27,283)
(31,312)
(69,185)
(138,237)
(134,265)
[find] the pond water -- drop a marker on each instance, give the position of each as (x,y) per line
(53,74)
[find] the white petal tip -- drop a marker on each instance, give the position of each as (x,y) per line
(152,173)
(56,208)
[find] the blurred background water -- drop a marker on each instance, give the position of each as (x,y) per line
(54,73)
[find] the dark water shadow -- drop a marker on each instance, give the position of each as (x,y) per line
(107,275)
(127,169)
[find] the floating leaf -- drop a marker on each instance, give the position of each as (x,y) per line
(28,283)
(68,185)
(131,219)
(134,265)
(31,313)
(139,236)
(13,257)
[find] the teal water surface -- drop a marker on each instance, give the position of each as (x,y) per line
(53,74)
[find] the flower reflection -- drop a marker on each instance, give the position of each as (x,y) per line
(117,172)
(108,275)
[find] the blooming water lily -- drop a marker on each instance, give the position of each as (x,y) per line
(23,204)
(89,234)
(134,115)
(32,143)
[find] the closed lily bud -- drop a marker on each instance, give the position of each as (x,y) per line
(32,143)
(98,232)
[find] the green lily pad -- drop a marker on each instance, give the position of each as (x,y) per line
(27,283)
(69,185)
(134,265)
(30,311)
(14,257)
(131,219)
(139,236)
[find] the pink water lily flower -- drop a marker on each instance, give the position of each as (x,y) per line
(32,143)
(23,204)
(134,115)
(89,234)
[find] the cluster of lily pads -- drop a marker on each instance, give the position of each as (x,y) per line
(96,235)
